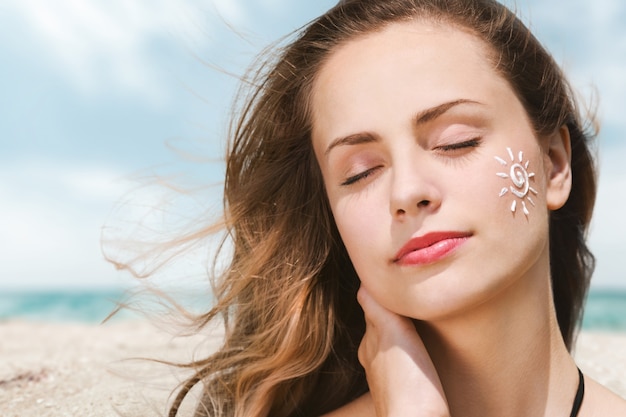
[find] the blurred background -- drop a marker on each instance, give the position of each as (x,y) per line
(96,97)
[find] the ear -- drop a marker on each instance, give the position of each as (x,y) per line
(558,168)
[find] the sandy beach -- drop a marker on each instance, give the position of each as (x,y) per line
(88,370)
(84,370)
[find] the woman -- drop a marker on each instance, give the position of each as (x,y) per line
(428,155)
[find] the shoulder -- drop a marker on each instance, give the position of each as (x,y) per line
(600,401)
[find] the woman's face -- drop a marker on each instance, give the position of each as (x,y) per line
(407,125)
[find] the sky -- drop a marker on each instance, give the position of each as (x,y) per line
(97,97)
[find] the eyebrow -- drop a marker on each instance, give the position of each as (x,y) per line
(421,118)
(356,139)
(433,113)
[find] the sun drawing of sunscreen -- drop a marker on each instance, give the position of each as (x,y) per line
(520,178)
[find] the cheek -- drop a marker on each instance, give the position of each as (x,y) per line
(361,224)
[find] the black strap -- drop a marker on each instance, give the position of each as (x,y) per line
(580,393)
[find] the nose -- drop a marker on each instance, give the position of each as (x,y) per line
(414,190)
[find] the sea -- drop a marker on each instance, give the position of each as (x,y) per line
(605,309)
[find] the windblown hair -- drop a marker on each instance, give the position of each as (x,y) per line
(288,295)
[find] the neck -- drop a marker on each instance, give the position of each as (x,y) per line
(506,357)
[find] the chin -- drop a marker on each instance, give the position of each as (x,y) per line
(431,303)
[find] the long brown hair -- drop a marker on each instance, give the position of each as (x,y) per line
(287,297)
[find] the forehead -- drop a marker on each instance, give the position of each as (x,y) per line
(416,63)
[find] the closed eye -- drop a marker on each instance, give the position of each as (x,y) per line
(360,176)
(473,143)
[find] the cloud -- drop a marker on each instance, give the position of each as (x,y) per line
(138,48)
(232,11)
(590,41)
(608,228)
(50,217)
(104,45)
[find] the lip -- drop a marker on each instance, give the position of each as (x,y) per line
(430,247)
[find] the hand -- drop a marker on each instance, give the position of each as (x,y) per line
(400,374)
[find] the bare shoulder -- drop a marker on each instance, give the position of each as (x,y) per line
(361,407)
(600,401)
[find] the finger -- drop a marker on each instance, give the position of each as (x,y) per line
(374,312)
(364,299)
(378,316)
(370,341)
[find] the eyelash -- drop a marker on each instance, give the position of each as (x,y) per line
(472,143)
(358,177)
